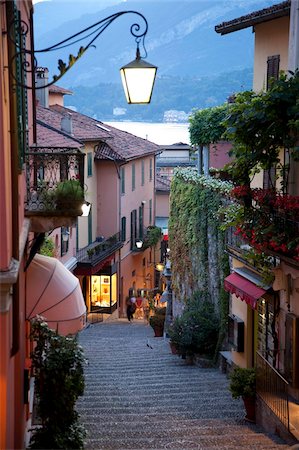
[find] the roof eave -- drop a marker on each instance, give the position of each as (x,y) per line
(249,21)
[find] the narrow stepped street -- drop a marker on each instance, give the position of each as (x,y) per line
(140,396)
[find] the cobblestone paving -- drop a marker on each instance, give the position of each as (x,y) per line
(140,396)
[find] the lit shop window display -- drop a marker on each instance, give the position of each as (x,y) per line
(103,291)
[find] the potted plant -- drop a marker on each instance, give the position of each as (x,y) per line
(68,195)
(157,321)
(243,384)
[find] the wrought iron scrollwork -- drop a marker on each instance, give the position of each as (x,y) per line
(18,32)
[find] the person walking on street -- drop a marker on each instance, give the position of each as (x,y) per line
(129,309)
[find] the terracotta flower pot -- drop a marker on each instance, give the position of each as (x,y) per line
(173,348)
(158,331)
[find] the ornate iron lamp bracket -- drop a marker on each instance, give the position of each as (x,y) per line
(18,31)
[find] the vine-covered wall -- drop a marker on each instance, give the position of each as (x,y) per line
(198,258)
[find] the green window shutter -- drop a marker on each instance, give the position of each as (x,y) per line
(150,211)
(90,226)
(140,222)
(142,173)
(133,177)
(21,92)
(122,180)
(151,170)
(272,69)
(89,164)
(123,228)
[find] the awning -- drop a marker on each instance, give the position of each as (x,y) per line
(244,289)
(53,292)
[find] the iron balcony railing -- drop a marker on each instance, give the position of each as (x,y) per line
(99,250)
(54,182)
(272,388)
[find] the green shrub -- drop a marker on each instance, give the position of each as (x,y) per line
(57,363)
(243,382)
(196,330)
(158,319)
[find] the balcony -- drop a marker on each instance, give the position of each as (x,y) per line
(270,222)
(95,255)
(54,188)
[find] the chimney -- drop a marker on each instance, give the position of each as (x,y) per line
(67,123)
(41,79)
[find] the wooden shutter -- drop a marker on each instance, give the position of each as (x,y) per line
(272,69)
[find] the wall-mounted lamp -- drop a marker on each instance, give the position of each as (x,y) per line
(138,76)
(85,209)
(143,202)
(159,267)
(139,244)
(65,235)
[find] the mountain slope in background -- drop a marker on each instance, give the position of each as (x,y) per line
(181,41)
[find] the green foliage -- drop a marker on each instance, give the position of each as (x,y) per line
(153,236)
(197,243)
(260,124)
(48,247)
(243,382)
(63,67)
(69,194)
(57,364)
(158,319)
(196,330)
(206,125)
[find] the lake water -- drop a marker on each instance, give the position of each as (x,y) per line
(159,133)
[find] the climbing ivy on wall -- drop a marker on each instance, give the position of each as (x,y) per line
(198,258)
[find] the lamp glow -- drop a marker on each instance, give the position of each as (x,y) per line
(139,244)
(138,78)
(86,209)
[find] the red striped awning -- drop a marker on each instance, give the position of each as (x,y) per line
(244,289)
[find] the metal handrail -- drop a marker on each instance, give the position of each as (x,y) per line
(272,388)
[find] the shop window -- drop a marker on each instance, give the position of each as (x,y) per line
(103,292)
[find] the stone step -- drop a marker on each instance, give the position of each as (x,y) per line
(137,397)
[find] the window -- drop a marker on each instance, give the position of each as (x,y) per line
(141,222)
(90,226)
(133,177)
(142,173)
(133,228)
(123,228)
(150,218)
(151,170)
(89,164)
(269,178)
(65,234)
(272,69)
(122,180)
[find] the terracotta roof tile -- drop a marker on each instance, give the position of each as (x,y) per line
(263,15)
(125,146)
(49,137)
(59,90)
